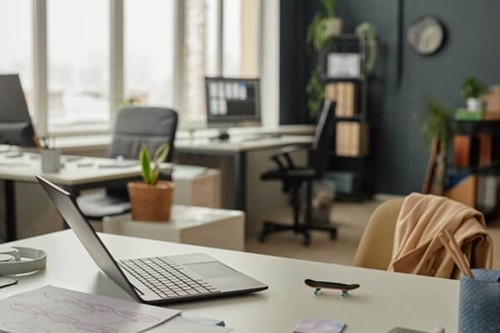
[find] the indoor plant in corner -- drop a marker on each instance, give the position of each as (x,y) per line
(151,199)
(472,90)
(436,128)
(323,26)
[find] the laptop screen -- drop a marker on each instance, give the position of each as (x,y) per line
(87,235)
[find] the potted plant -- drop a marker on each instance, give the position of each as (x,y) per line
(435,127)
(323,26)
(472,90)
(151,199)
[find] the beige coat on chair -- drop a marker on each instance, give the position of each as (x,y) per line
(417,249)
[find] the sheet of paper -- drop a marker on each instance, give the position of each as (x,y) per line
(118,164)
(52,309)
(180,324)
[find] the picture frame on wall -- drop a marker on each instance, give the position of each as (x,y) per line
(343,65)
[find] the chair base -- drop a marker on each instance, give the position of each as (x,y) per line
(304,229)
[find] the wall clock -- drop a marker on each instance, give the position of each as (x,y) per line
(426,35)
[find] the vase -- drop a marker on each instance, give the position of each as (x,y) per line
(474,104)
(151,202)
(333,26)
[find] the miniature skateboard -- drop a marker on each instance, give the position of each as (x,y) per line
(344,288)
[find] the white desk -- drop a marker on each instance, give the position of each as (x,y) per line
(197,186)
(242,141)
(80,173)
(384,300)
(249,156)
(221,228)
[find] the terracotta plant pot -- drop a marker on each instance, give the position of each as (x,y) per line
(151,202)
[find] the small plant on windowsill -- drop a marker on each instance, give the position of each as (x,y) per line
(151,199)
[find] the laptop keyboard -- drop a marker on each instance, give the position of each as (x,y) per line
(166,278)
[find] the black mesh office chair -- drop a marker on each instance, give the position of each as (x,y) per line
(294,178)
(134,126)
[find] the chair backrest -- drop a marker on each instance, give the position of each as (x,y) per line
(138,125)
(324,129)
(323,138)
(375,248)
(377,244)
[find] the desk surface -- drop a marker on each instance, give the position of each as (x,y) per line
(385,300)
(76,169)
(240,143)
(243,130)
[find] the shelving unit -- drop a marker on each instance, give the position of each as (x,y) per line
(477,157)
(343,73)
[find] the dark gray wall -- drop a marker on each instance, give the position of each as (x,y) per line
(472,48)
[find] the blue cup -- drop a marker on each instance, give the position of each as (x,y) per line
(479,308)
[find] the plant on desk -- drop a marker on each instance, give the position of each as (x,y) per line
(151,200)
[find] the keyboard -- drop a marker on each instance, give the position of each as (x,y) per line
(166,278)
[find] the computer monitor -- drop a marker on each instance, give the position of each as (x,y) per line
(234,101)
(15,121)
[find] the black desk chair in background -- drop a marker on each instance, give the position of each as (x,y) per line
(134,126)
(294,178)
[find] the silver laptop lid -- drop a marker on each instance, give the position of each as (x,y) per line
(86,234)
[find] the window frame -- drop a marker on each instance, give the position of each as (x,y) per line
(116,64)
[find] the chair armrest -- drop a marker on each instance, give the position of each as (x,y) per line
(287,150)
(283,157)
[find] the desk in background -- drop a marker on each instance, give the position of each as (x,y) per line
(78,174)
(221,228)
(383,301)
(241,160)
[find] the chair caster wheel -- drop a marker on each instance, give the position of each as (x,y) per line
(307,240)
(333,234)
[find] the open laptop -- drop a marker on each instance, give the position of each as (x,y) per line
(154,280)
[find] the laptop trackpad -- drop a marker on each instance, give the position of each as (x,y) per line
(212,270)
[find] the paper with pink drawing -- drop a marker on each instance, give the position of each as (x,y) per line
(52,309)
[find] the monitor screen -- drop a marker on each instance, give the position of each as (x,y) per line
(15,121)
(232,100)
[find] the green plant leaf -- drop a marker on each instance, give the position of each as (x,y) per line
(312,32)
(472,88)
(150,169)
(161,154)
(435,122)
(328,6)
(145,161)
(315,94)
(318,38)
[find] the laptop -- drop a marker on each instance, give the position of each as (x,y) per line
(159,279)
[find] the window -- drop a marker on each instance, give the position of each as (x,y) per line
(149,60)
(83,72)
(16,39)
(78,64)
(231,34)
(219,41)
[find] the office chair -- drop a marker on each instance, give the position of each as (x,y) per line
(134,126)
(375,250)
(295,178)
